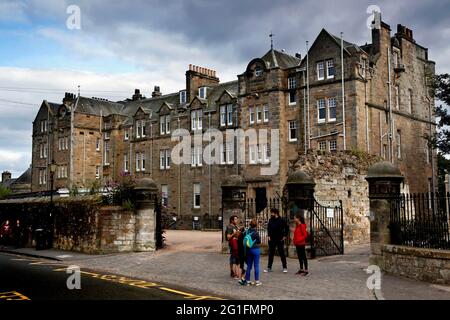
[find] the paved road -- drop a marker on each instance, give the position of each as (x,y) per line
(23,278)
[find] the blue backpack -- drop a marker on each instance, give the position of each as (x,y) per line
(248,241)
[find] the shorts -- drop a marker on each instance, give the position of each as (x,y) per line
(234,260)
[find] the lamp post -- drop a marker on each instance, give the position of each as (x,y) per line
(53,168)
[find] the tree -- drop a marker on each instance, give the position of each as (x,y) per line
(441,140)
(443,169)
(4,192)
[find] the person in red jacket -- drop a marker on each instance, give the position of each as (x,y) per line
(300,235)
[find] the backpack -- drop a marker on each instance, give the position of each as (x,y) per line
(248,241)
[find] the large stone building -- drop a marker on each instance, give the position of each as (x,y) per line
(388,111)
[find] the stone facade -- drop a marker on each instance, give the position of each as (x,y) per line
(341,175)
(109,139)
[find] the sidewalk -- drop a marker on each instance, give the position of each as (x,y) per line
(198,265)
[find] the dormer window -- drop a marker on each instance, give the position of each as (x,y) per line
(140,129)
(258,71)
(183,97)
(202,92)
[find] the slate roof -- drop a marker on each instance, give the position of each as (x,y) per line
(96,107)
(277,59)
(25,178)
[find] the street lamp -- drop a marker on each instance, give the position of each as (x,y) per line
(53,168)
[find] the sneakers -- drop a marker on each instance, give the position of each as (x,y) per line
(243,282)
(305,273)
(285,270)
(299,272)
(258,283)
(267,270)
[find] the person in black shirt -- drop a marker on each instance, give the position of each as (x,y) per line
(277,231)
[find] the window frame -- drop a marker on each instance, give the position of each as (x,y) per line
(330,143)
(251,113)
(137,158)
(223,115)
(322,143)
(229,114)
(258,114)
(266,114)
(329,108)
(202,92)
(196,193)
(183,97)
(290,122)
(126,163)
(106,153)
(328,68)
(320,63)
(321,120)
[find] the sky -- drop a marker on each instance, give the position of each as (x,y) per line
(123,45)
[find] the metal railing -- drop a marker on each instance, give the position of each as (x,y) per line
(253,210)
(420,220)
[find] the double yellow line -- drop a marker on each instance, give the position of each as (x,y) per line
(124,280)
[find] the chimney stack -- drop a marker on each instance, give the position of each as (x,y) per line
(137,95)
(69,98)
(156,92)
(6,176)
(405,32)
(298,56)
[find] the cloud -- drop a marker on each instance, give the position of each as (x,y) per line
(13,11)
(154,41)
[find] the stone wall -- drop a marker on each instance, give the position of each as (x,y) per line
(117,227)
(81,224)
(341,176)
(416,263)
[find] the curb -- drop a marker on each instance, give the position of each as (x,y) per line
(29,254)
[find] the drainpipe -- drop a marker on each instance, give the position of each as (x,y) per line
(72,142)
(391,123)
(209,167)
(151,149)
(343,91)
(307,89)
(179,180)
(304,116)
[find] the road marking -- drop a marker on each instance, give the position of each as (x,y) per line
(13,296)
(120,279)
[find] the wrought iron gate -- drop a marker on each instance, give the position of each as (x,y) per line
(325,224)
(326,227)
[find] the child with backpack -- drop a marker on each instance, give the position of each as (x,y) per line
(252,242)
(300,236)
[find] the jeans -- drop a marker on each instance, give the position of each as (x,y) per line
(253,256)
(279,245)
(301,253)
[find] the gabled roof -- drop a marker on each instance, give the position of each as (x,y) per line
(25,178)
(348,46)
(277,59)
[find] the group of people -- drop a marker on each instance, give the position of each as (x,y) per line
(245,246)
